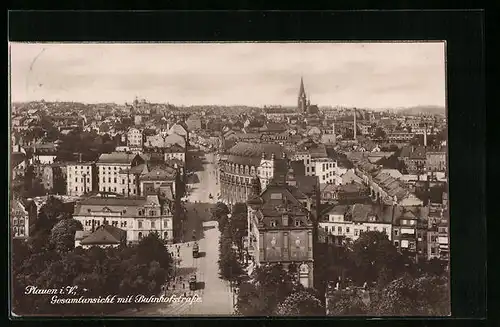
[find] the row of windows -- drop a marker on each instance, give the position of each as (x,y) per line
(82,179)
(115,180)
(16,221)
(81,189)
(165,234)
(18,231)
(298,223)
(123,223)
(113,189)
(81,167)
(356,231)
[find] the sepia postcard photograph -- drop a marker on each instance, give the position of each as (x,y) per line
(236,179)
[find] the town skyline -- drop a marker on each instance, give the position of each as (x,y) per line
(363,75)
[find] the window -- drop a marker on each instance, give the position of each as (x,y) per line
(76,188)
(140,224)
(88,180)
(339,230)
(273,223)
(76,179)
(123,181)
(356,232)
(153,225)
(15,221)
(326,229)
(384,229)
(165,235)
(298,223)
(109,179)
(396,232)
(82,179)
(123,224)
(115,180)
(367,228)
(114,189)
(123,191)
(165,224)
(104,179)
(347,230)
(396,243)
(323,177)
(140,235)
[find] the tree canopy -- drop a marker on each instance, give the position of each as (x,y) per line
(301,303)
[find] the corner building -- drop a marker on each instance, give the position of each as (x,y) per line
(280,229)
(243,162)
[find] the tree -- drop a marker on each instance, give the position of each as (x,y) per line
(219,211)
(50,213)
(426,295)
(152,248)
(63,234)
(256,186)
(373,251)
(380,133)
(301,303)
(239,224)
(346,303)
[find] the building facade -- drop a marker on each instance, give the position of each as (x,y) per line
(280,230)
(19,220)
(81,178)
(138,216)
(115,174)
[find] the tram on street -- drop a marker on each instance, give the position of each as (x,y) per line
(196,250)
(192,283)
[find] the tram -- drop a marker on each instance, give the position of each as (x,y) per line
(192,283)
(196,250)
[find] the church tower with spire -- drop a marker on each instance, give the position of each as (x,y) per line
(302,99)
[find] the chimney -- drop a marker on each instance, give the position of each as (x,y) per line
(355,124)
(80,157)
(425,135)
(272,156)
(333,133)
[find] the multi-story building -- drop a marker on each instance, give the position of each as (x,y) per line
(181,130)
(138,216)
(280,229)
(410,231)
(400,137)
(115,173)
(240,164)
(162,180)
(435,159)
(327,171)
(19,220)
(174,151)
(135,138)
(81,178)
(350,221)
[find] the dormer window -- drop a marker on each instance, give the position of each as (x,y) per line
(273,223)
(298,223)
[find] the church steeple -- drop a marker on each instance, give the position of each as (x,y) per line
(302,91)
(302,99)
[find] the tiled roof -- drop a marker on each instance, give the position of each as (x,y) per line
(117,157)
(158,174)
(246,149)
(105,234)
(17,158)
(337,210)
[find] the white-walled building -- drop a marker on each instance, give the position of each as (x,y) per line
(134,137)
(174,151)
(19,220)
(138,216)
(81,178)
(350,221)
(113,173)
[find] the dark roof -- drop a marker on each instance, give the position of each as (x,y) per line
(159,174)
(307,184)
(105,234)
(246,149)
(17,158)
(117,157)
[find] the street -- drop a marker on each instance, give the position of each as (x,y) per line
(215,293)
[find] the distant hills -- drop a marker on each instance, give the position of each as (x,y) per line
(428,110)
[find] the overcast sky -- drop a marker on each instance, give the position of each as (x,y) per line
(376,75)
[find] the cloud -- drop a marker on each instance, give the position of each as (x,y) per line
(364,75)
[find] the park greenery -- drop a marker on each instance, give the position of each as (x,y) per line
(49,260)
(394,284)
